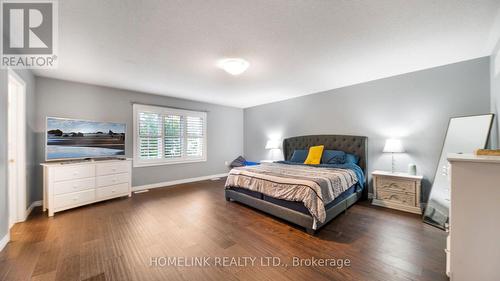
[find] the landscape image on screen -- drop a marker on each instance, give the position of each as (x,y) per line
(70,139)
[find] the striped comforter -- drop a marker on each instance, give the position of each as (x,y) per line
(314,186)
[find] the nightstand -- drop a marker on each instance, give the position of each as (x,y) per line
(398,191)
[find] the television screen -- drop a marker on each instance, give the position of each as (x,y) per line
(77,139)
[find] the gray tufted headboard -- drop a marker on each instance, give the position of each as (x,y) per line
(352,144)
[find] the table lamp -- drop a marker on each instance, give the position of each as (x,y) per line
(393,146)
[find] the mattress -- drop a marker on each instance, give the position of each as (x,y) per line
(297,206)
(248,192)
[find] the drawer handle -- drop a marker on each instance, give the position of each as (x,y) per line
(76,198)
(114,169)
(75,186)
(393,186)
(395,197)
(113,191)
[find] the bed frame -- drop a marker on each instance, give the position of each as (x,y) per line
(357,145)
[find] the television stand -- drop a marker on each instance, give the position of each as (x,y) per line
(108,158)
(85,160)
(75,161)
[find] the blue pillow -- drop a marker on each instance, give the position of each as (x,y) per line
(333,157)
(351,159)
(299,156)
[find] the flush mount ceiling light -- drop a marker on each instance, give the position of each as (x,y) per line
(233,66)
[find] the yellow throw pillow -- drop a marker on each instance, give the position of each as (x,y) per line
(314,156)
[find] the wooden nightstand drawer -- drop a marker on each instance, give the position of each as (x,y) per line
(397,197)
(396,185)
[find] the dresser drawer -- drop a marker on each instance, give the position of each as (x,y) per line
(112,179)
(63,187)
(113,168)
(393,184)
(396,197)
(74,172)
(74,199)
(112,191)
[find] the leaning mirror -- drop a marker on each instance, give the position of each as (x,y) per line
(464,135)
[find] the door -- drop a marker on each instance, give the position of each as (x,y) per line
(16,135)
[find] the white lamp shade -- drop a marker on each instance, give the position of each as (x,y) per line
(273,144)
(394,146)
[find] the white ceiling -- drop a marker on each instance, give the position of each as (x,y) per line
(294,47)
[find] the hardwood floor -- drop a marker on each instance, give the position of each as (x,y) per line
(116,240)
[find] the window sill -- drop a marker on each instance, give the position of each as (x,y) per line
(139,164)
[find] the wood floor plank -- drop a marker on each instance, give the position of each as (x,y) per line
(47,261)
(49,276)
(68,268)
(119,239)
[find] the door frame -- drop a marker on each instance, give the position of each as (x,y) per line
(19,193)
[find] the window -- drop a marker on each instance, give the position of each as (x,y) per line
(165,135)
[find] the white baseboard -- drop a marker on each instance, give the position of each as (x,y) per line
(31,207)
(175,182)
(5,240)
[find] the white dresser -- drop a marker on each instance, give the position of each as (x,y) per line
(473,244)
(69,185)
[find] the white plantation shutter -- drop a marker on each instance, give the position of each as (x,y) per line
(195,136)
(173,136)
(167,135)
(150,135)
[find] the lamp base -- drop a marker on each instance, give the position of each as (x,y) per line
(393,168)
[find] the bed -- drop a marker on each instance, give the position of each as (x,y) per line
(290,191)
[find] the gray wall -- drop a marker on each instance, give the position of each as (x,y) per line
(415,107)
(28,77)
(59,98)
(495,94)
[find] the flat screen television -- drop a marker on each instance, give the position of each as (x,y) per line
(81,139)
